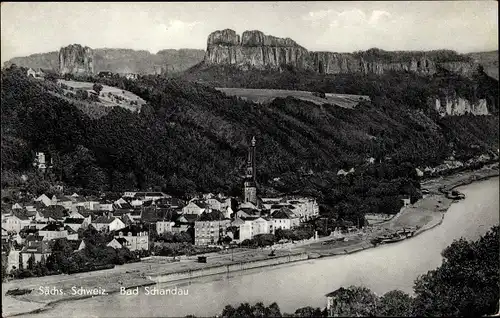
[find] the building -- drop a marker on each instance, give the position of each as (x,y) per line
(131,76)
(164,226)
(76,223)
(136,237)
(38,249)
(115,244)
(250,185)
(194,207)
(105,74)
(15,222)
(36,73)
(254,226)
(42,162)
(284,219)
(44,199)
(108,224)
(53,230)
(210,228)
(63,201)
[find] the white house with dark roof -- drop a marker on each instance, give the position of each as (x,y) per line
(254,226)
(284,219)
(76,223)
(15,222)
(53,230)
(137,238)
(194,207)
(107,224)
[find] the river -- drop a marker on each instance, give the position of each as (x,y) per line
(292,286)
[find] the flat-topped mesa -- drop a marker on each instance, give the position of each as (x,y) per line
(255,49)
(76,59)
(258,50)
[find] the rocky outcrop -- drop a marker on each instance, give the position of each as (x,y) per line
(255,49)
(261,51)
(456,106)
(76,59)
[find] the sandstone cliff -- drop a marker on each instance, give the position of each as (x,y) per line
(255,49)
(456,106)
(76,59)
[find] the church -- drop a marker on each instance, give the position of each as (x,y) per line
(250,198)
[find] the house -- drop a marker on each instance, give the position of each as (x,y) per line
(53,230)
(44,199)
(17,206)
(15,222)
(105,205)
(131,76)
(38,249)
(146,196)
(63,201)
(54,213)
(108,224)
(284,219)
(254,226)
(164,226)
(72,234)
(184,222)
(77,245)
(115,244)
(342,172)
(5,234)
(35,73)
(305,208)
(76,223)
(210,228)
(105,74)
(217,203)
(136,237)
(247,212)
(194,207)
(406,202)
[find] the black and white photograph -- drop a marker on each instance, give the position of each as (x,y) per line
(250,159)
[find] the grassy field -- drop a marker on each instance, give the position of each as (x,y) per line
(264,96)
(109,96)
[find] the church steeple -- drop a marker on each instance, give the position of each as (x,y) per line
(250,187)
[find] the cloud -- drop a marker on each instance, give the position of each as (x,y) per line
(348,18)
(180,26)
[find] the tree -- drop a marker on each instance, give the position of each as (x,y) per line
(97,88)
(308,312)
(466,284)
(31,262)
(353,302)
(395,304)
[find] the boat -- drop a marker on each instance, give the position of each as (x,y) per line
(455,195)
(393,239)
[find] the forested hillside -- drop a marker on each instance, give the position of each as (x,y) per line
(190,137)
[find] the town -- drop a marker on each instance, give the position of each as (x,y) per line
(138,220)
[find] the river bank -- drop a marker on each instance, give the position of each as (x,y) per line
(434,205)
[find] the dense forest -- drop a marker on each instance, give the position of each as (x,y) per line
(190,137)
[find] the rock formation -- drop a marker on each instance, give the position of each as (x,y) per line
(261,51)
(456,106)
(255,49)
(76,59)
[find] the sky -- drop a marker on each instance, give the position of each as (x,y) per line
(36,27)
